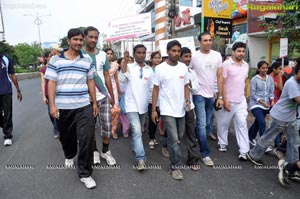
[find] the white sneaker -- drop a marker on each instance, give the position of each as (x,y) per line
(110,160)
(69,163)
(88,182)
(208,161)
(269,149)
(7,142)
(96,158)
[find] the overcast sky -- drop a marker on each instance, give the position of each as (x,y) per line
(65,14)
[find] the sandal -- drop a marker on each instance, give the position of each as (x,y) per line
(115,136)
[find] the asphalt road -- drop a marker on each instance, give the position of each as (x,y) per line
(27,166)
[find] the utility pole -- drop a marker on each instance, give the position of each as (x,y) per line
(37,21)
(2,22)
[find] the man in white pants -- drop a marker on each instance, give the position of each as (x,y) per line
(235,71)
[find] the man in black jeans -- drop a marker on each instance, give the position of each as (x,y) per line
(7,75)
(193,154)
(71,84)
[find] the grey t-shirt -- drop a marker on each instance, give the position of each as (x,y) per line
(285,108)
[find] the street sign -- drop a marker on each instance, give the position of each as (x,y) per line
(283,52)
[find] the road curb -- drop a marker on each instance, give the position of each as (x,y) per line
(22,76)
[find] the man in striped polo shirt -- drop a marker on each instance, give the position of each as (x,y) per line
(71,80)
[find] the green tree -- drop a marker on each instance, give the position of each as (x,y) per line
(8,50)
(28,54)
(287,25)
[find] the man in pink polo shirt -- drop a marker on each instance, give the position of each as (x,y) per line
(235,72)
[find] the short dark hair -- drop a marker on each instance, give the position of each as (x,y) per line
(172,43)
(108,49)
(90,28)
(185,50)
(138,46)
(74,32)
(202,34)
(237,45)
(285,61)
(154,53)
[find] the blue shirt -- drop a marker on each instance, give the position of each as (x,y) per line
(71,80)
(6,69)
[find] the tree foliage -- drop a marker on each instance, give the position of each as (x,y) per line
(288,23)
(8,50)
(27,54)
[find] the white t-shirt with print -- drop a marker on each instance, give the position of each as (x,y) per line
(171,81)
(205,66)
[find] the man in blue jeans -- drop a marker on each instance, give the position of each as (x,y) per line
(138,77)
(283,118)
(207,65)
(171,84)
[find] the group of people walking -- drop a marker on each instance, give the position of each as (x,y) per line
(86,90)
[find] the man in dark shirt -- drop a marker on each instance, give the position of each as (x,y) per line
(7,75)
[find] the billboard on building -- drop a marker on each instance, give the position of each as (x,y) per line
(185,17)
(129,27)
(260,11)
(239,9)
(218,27)
(216,17)
(217,8)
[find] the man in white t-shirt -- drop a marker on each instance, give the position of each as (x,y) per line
(207,65)
(138,79)
(171,84)
(235,73)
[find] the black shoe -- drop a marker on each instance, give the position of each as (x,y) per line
(295,176)
(256,162)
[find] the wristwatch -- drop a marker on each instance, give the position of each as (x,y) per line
(19,90)
(220,97)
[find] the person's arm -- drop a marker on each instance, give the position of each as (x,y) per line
(54,112)
(279,84)
(15,81)
(154,115)
(271,91)
(220,101)
(43,82)
(92,92)
(124,74)
(226,103)
(118,85)
(109,87)
(187,96)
